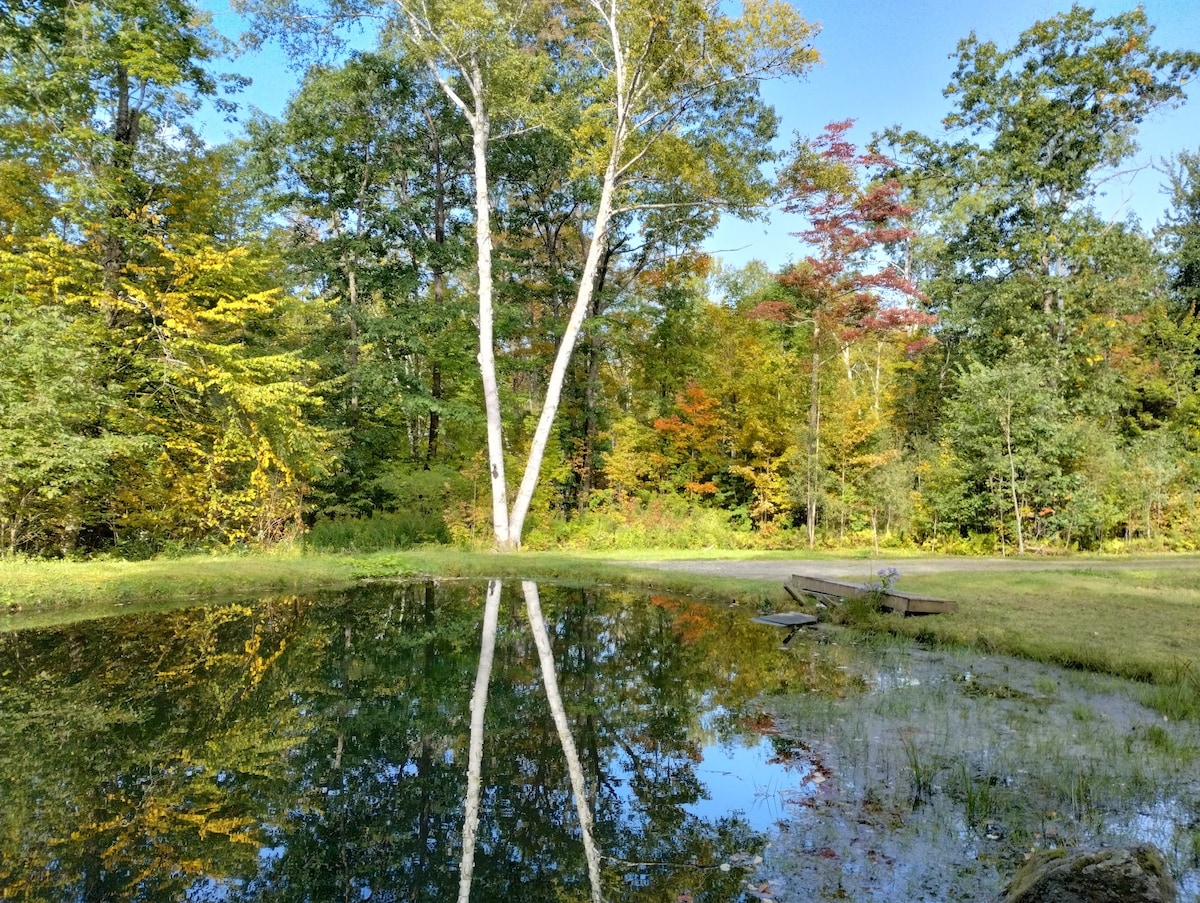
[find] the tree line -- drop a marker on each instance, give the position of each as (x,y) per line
(457,290)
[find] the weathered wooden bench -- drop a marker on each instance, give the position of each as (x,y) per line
(834,591)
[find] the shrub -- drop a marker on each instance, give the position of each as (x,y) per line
(379,532)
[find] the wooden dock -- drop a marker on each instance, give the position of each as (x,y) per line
(834,591)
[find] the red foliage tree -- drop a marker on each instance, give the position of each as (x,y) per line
(844,288)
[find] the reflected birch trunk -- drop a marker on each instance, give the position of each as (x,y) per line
(541,638)
(487,647)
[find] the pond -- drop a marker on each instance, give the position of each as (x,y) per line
(336,746)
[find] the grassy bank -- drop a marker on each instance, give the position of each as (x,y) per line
(1142,623)
(42,592)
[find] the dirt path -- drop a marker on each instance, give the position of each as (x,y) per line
(859,569)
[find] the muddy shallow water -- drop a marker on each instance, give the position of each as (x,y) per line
(947,769)
(311,748)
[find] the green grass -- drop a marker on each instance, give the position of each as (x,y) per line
(1142,622)
(43,592)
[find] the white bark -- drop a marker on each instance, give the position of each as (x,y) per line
(587,282)
(483,675)
(541,639)
(425,36)
(633,109)
(558,375)
(480,129)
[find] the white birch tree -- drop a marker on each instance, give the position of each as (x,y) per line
(658,100)
(649,76)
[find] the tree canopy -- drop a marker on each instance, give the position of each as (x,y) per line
(457,290)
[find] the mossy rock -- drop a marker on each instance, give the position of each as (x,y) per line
(1117,875)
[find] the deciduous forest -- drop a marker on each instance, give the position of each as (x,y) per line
(457,292)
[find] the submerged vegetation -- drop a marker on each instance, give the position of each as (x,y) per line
(953,767)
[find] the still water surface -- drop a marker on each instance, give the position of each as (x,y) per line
(317,748)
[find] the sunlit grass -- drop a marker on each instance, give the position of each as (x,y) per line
(34,591)
(1141,622)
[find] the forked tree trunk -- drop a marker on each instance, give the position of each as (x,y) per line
(541,639)
(483,675)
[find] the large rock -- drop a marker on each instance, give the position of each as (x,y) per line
(1117,875)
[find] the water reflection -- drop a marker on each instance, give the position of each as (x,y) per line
(487,646)
(608,746)
(541,638)
(320,748)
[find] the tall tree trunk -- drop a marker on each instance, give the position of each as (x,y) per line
(483,676)
(125,139)
(814,442)
(541,639)
(352,347)
(506,538)
(439,281)
(1006,424)
(558,374)
(587,469)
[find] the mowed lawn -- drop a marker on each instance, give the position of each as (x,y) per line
(1141,622)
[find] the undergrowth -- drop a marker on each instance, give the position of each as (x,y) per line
(377,533)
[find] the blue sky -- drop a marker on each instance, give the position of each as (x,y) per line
(885,62)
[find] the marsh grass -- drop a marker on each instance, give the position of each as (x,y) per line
(975,794)
(920,769)
(965,782)
(1142,623)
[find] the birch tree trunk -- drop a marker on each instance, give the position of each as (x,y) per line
(541,639)
(587,282)
(558,375)
(483,675)
(480,133)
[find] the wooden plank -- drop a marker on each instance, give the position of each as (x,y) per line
(794,621)
(786,619)
(831,589)
(916,605)
(836,590)
(794,593)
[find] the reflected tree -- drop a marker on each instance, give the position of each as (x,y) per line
(487,646)
(320,748)
(541,638)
